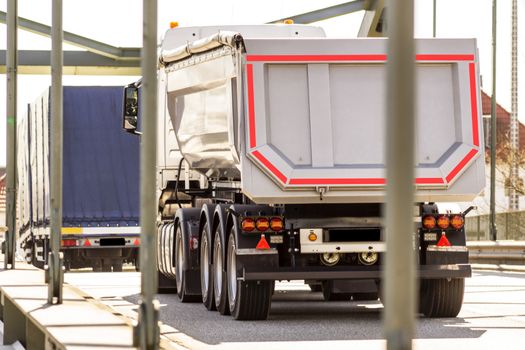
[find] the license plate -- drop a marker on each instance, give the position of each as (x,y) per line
(276,239)
(430,237)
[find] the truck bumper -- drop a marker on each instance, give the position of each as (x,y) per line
(351,272)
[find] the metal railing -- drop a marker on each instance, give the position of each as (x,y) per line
(510,226)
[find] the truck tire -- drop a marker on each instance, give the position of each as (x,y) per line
(220,289)
(330,295)
(441,297)
(248,300)
(117,266)
(180,278)
(206,268)
(365,296)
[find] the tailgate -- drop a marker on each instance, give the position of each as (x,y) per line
(315,115)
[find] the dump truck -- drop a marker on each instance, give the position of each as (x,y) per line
(271,165)
(100,214)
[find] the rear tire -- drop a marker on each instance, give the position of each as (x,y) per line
(220,284)
(117,266)
(206,268)
(441,297)
(329,295)
(365,296)
(179,275)
(248,300)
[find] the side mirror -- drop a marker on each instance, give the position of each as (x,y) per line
(131,108)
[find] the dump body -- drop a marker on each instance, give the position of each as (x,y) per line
(303,120)
(100,176)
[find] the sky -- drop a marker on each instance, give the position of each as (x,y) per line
(119,23)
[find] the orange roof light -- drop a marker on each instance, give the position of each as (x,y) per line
(174,25)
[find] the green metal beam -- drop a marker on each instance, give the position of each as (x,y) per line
(75,63)
(103,49)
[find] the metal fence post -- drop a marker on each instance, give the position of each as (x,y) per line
(147,330)
(399,268)
(493,126)
(55,273)
(11,186)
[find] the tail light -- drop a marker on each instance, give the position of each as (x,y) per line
(262,224)
(457,222)
(429,222)
(68,243)
(248,225)
(276,224)
(443,222)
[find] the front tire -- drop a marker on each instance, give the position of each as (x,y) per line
(441,297)
(248,300)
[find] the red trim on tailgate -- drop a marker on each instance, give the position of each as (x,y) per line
(438,57)
(474,104)
(251,105)
(287,58)
(328,181)
(270,166)
(461,164)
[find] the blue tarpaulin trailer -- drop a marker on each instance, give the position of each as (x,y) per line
(100,227)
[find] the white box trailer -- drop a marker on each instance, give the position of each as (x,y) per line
(287,129)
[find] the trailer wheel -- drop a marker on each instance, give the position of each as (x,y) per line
(330,295)
(220,284)
(180,279)
(365,296)
(206,268)
(117,266)
(441,297)
(248,300)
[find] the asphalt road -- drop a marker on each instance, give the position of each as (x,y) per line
(493,316)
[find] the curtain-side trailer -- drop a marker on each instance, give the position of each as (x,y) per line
(100,181)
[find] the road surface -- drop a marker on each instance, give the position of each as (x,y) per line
(493,316)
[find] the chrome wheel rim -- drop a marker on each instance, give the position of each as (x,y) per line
(217,257)
(232,272)
(205,264)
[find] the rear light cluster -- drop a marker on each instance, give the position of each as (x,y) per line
(443,221)
(68,243)
(262,224)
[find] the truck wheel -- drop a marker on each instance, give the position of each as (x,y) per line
(106,266)
(117,266)
(365,296)
(219,276)
(330,295)
(441,297)
(179,274)
(248,300)
(315,287)
(206,268)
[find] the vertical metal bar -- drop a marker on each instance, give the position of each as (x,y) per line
(434,14)
(55,261)
(11,60)
(399,268)
(514,203)
(493,125)
(148,330)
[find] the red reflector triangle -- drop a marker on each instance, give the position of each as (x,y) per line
(136,242)
(87,243)
(443,241)
(263,244)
